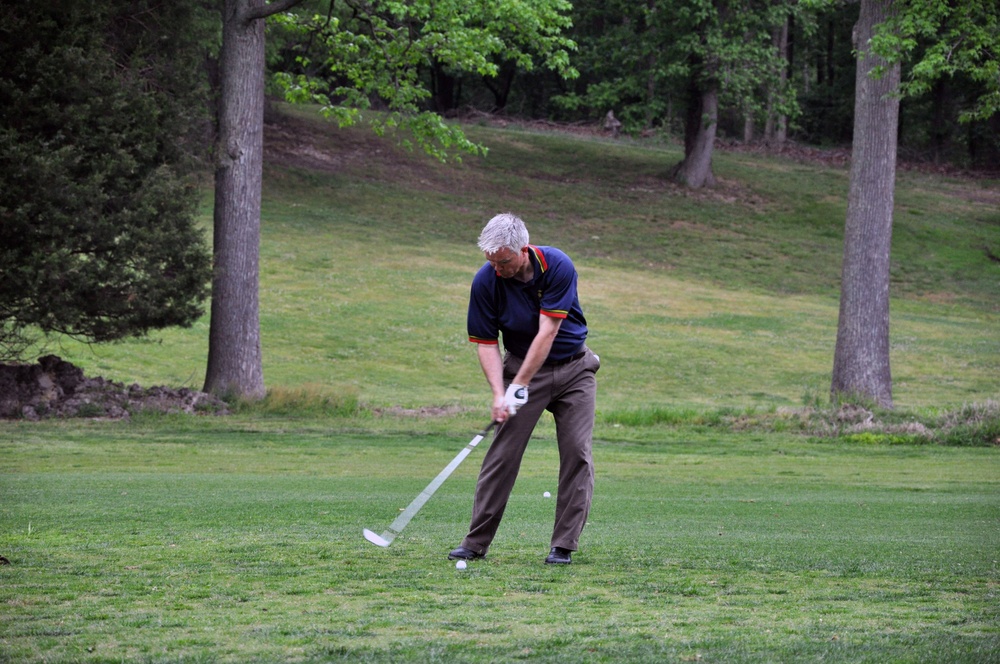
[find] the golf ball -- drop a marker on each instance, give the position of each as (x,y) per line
(546,495)
(460,564)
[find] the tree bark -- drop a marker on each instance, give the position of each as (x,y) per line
(235,366)
(861,359)
(702,119)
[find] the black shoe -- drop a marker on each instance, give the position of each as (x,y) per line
(461,553)
(559,556)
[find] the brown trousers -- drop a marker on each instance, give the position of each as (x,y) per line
(569,392)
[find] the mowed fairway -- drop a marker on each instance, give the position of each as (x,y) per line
(713,537)
(168,541)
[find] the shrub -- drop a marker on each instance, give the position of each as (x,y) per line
(972,425)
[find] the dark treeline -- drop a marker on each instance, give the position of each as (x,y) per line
(819,66)
(784,73)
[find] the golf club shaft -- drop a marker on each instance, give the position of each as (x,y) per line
(406,515)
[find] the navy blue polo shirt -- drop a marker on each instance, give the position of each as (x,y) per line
(510,308)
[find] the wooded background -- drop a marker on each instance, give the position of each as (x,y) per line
(110,109)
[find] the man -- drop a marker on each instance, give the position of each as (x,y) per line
(528,296)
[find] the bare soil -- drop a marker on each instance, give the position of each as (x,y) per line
(53,387)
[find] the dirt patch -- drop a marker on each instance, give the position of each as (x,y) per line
(55,388)
(314,145)
(290,142)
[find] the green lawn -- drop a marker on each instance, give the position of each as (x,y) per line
(240,541)
(724,527)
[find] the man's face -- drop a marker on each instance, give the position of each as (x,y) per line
(507,263)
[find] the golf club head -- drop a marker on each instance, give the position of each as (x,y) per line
(377,540)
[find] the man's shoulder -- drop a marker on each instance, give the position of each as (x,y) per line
(551,257)
(485,276)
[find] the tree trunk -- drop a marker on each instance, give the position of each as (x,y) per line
(983,152)
(650,90)
(501,90)
(939,126)
(235,365)
(702,119)
(861,359)
(775,126)
(444,88)
(650,69)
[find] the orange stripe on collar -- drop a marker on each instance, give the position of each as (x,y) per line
(540,256)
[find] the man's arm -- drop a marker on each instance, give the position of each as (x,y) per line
(538,352)
(492,365)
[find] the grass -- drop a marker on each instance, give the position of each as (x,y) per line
(237,541)
(728,524)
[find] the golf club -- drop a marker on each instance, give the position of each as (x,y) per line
(396,527)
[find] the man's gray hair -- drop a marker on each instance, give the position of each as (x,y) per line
(504,231)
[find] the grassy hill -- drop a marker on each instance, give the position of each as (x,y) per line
(720,298)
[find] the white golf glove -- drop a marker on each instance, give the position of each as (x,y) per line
(517,396)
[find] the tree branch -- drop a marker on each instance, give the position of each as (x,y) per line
(270,9)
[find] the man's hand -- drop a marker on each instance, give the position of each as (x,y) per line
(517,396)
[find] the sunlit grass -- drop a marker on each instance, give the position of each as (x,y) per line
(239,539)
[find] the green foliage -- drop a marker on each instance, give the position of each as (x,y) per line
(639,59)
(356,56)
(875,438)
(641,68)
(946,40)
(97,132)
(972,425)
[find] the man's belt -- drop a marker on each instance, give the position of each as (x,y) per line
(571,358)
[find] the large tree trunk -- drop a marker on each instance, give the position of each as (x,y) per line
(861,359)
(235,366)
(699,142)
